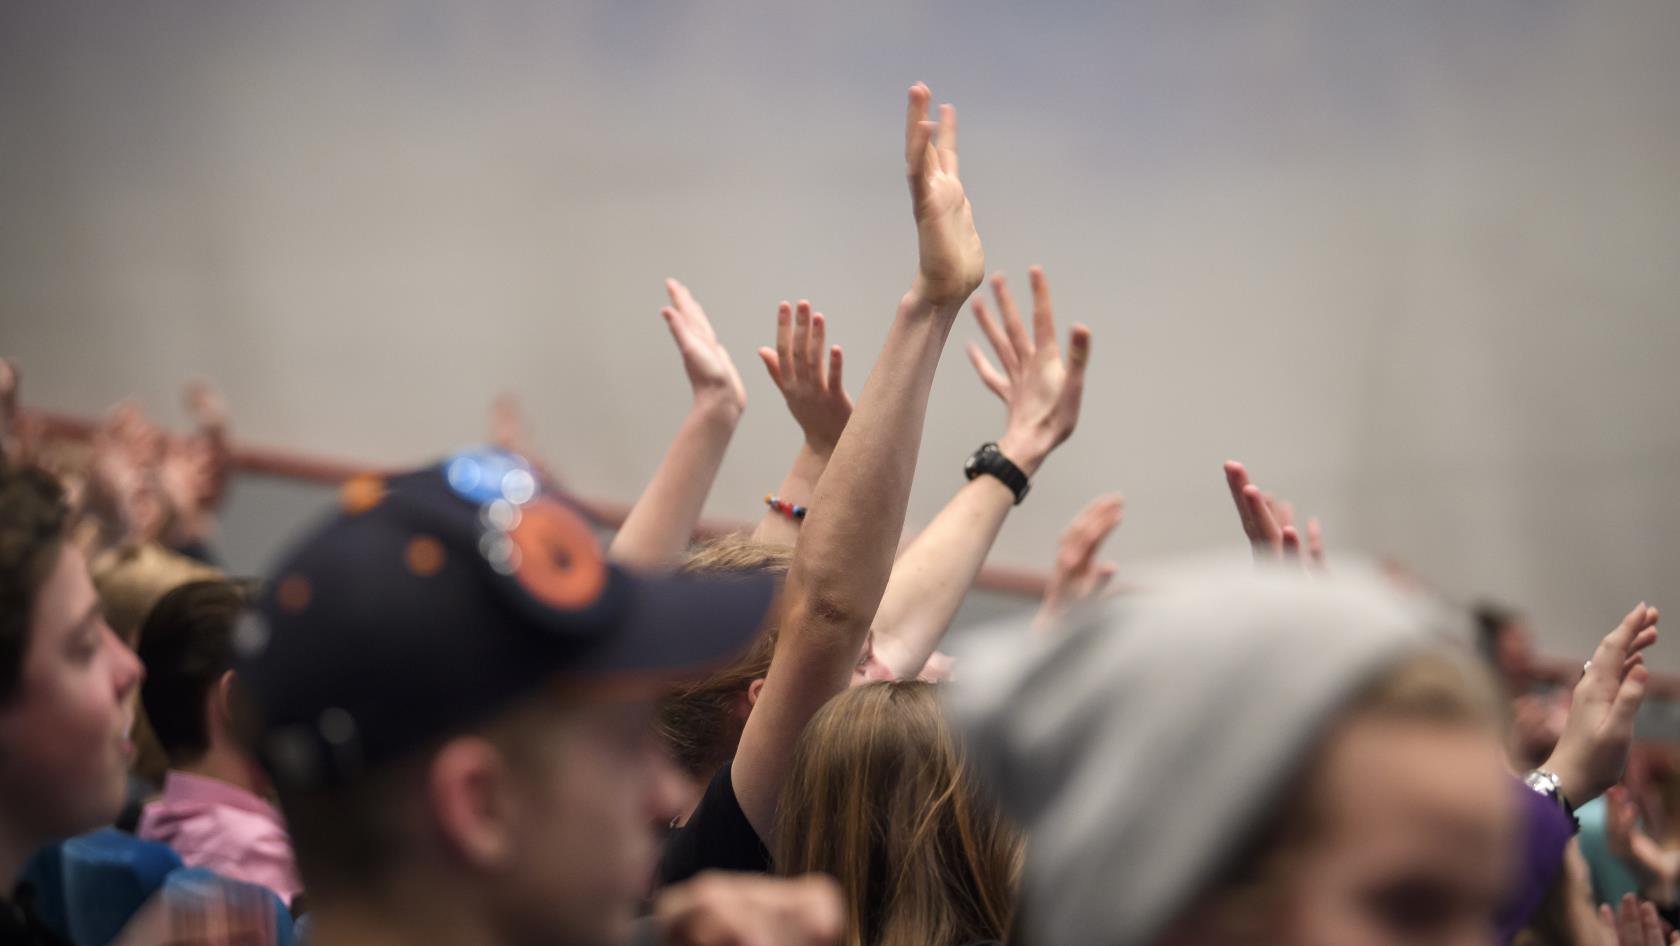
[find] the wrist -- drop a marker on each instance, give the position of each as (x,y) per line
(1022,452)
(718,407)
(924,301)
(819,448)
(1571,781)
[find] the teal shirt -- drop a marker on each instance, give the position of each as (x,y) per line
(1610,877)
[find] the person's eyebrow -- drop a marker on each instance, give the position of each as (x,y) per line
(88,617)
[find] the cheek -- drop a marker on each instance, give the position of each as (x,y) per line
(603,813)
(1321,904)
(64,740)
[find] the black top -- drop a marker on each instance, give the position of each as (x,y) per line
(19,925)
(718,836)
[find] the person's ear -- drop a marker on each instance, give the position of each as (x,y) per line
(753,690)
(470,797)
(221,703)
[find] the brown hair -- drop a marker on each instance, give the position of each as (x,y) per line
(186,644)
(33,517)
(880,797)
(701,722)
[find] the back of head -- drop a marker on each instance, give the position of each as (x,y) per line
(186,646)
(701,722)
(879,797)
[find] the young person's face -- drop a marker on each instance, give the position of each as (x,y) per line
(64,738)
(1413,841)
(585,849)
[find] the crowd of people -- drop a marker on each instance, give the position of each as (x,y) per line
(449,715)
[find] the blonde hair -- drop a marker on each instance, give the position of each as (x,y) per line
(701,722)
(131,579)
(880,797)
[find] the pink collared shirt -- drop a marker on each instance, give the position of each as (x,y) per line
(214,824)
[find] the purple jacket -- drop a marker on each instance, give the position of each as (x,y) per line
(1547,831)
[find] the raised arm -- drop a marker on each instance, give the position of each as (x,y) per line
(816,397)
(661,524)
(1593,750)
(1077,575)
(209,413)
(1269,522)
(11,447)
(845,549)
(1042,392)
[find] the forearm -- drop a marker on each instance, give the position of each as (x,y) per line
(931,578)
(661,524)
(847,544)
(797,487)
(843,557)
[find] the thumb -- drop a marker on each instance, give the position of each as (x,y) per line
(674,322)
(772,364)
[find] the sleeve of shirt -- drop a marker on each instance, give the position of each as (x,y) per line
(1547,831)
(716,837)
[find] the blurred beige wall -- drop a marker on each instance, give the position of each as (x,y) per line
(1417,263)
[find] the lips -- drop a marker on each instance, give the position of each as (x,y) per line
(125,740)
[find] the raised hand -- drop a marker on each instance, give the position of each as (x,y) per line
(1593,749)
(206,406)
(952,262)
(14,442)
(810,382)
(1078,576)
(711,373)
(507,424)
(9,378)
(1632,923)
(1269,522)
(1041,391)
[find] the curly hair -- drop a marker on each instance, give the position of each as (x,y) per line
(33,518)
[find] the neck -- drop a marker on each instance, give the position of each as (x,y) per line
(228,765)
(423,922)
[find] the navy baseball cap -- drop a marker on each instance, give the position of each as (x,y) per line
(432,599)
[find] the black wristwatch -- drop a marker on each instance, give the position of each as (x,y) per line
(990,461)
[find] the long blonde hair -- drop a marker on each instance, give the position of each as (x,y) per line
(881,798)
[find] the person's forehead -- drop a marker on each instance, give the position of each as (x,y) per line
(66,599)
(1404,784)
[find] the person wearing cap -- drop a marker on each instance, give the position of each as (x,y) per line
(66,686)
(447,683)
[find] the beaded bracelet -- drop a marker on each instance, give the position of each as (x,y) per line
(789,510)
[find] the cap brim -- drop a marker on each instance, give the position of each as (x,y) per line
(680,626)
